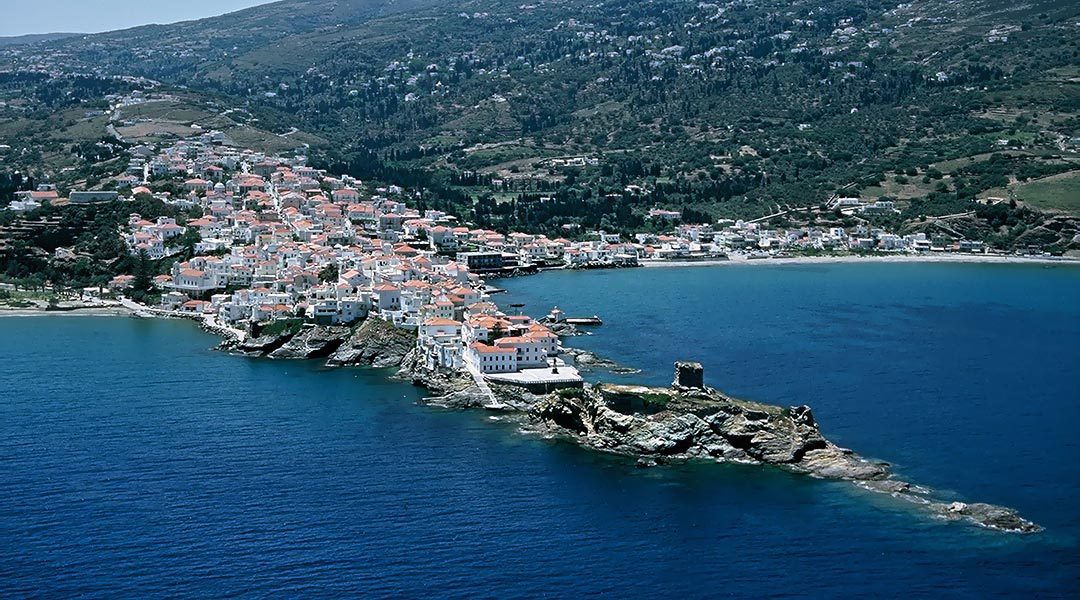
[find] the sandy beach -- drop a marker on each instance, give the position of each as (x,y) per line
(900,258)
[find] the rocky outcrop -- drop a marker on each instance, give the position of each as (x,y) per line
(265,340)
(450,389)
(988,515)
(258,346)
(689,422)
(464,397)
(375,343)
(703,424)
(562,329)
(313,341)
(586,362)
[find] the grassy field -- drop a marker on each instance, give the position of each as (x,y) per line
(949,166)
(173,111)
(1059,193)
(914,188)
(155,131)
(65,127)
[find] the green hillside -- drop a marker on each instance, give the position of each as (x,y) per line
(722,109)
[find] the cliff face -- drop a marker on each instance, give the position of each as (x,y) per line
(662,424)
(374,343)
(312,342)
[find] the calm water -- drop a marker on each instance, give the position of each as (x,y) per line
(134,461)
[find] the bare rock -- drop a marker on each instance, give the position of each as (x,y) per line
(313,341)
(375,343)
(658,425)
(990,516)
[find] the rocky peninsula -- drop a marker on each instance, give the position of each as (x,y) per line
(687,421)
(690,421)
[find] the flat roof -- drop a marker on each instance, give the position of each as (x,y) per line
(538,376)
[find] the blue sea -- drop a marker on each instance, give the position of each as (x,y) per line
(137,462)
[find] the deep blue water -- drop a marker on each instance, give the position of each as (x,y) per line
(135,461)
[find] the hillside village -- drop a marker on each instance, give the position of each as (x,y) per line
(279,240)
(276,222)
(273,239)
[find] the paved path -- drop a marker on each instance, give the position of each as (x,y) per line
(210,321)
(135,307)
(481,383)
(779,214)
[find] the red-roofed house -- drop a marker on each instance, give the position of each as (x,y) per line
(492,359)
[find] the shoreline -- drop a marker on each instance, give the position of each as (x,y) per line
(89,311)
(852,258)
(698,422)
(120,310)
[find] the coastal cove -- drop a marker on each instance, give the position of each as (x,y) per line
(349,458)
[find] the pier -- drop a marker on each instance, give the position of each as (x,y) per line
(558,316)
(590,321)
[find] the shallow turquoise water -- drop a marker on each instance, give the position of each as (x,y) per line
(138,462)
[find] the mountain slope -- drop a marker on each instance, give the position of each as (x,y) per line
(723,108)
(172,51)
(35,38)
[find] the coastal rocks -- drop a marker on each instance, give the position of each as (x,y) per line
(313,341)
(456,390)
(665,434)
(586,361)
(986,515)
(658,425)
(451,391)
(562,329)
(263,344)
(654,425)
(463,399)
(567,412)
(374,343)
(832,462)
(657,421)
